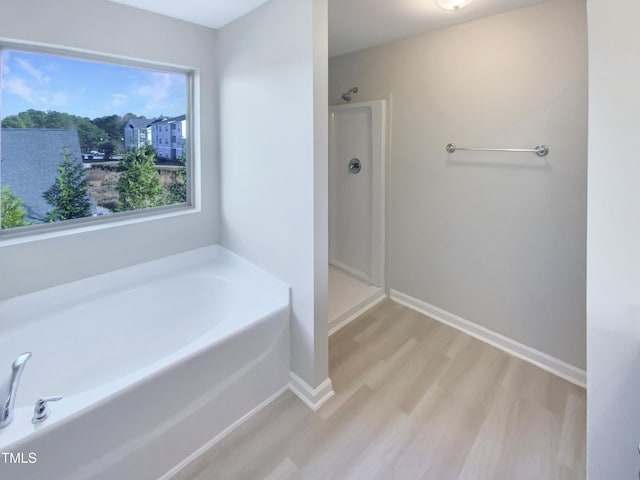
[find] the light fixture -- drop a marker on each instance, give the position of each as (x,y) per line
(453,4)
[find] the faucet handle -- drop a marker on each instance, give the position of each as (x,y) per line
(41,410)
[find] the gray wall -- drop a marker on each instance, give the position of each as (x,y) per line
(613,254)
(498,239)
(273,153)
(105,27)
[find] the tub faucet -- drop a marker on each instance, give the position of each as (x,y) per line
(9,388)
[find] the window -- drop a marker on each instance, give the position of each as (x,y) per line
(76,140)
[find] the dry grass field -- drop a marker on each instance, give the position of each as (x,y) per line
(103,180)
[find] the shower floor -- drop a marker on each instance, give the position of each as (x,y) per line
(349,297)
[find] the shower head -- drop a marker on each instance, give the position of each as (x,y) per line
(347,95)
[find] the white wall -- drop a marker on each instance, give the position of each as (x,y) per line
(613,255)
(498,239)
(273,150)
(105,27)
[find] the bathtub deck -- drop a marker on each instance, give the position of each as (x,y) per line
(414,399)
(194,342)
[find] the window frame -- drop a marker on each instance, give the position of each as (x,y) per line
(80,225)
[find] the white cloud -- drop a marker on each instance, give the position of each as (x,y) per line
(163,90)
(118,99)
(17,87)
(32,71)
(40,99)
(54,99)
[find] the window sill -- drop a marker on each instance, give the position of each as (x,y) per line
(91,224)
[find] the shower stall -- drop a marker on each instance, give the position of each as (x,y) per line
(356,209)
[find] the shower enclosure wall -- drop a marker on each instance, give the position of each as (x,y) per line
(356,208)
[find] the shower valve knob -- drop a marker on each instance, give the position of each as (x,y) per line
(41,410)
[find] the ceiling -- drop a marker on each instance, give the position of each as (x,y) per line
(210,13)
(353,24)
(358,24)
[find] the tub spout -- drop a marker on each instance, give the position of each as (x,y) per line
(9,389)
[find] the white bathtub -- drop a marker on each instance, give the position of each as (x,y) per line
(153,362)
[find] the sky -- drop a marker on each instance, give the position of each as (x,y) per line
(87,88)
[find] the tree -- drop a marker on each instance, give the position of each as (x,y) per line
(33,118)
(69,195)
(139,183)
(89,135)
(109,147)
(177,188)
(128,116)
(13,121)
(55,119)
(112,125)
(12,212)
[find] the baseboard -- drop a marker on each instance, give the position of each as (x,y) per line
(543,360)
(356,311)
(313,398)
(204,448)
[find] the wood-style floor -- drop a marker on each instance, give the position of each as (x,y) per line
(415,399)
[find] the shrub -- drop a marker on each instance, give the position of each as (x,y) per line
(12,212)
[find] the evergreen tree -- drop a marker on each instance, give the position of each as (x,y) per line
(12,212)
(139,183)
(69,195)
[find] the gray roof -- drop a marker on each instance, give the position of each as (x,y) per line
(164,120)
(140,122)
(29,161)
